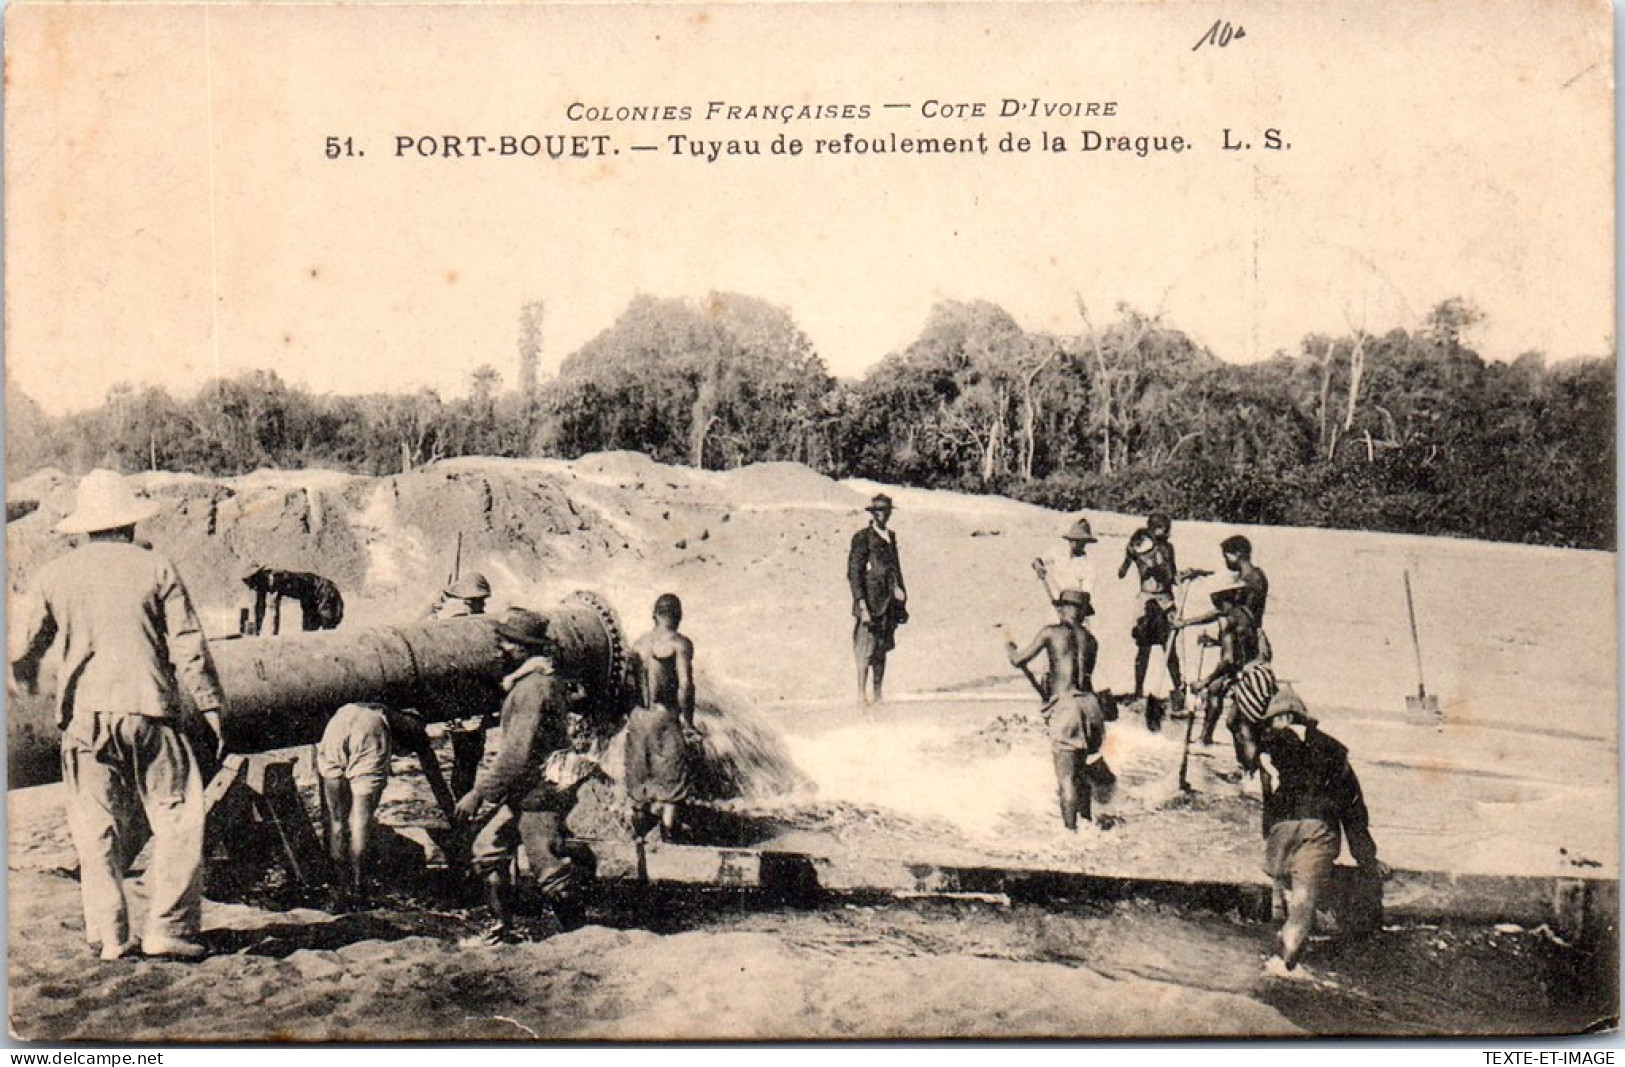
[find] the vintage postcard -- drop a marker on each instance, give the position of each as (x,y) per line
(810,521)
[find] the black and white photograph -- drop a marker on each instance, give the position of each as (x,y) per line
(810,522)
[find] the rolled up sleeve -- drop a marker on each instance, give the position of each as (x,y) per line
(188,648)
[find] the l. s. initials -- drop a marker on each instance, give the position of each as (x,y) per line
(1221,33)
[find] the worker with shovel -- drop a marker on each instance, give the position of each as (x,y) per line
(1151,553)
(1072,712)
(1241,684)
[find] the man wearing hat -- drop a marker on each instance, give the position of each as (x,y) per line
(879,599)
(1241,684)
(129,653)
(1312,800)
(466,596)
(1075,570)
(1072,712)
(541,728)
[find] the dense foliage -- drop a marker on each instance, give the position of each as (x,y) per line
(1407,431)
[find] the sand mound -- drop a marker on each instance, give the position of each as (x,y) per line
(788,485)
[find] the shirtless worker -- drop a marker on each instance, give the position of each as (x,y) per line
(352,761)
(657,733)
(1255,584)
(1151,553)
(1241,684)
(1072,712)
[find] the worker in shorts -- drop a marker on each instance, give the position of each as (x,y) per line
(1151,553)
(1240,670)
(1072,712)
(1312,802)
(659,731)
(352,761)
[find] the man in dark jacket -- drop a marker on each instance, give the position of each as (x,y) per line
(544,760)
(1312,800)
(879,599)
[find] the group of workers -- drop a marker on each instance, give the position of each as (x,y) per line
(131,660)
(129,646)
(1312,798)
(550,749)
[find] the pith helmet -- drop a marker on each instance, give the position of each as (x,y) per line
(104,500)
(1286,702)
(1078,598)
(471,586)
(525,628)
(1080,531)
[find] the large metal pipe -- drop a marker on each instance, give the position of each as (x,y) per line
(280,691)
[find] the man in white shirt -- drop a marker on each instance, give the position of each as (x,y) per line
(1075,570)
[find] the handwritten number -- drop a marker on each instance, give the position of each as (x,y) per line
(1221,33)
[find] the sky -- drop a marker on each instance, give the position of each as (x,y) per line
(172,215)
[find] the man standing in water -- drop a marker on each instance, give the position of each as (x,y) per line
(1152,554)
(1312,798)
(657,762)
(879,599)
(128,644)
(1072,712)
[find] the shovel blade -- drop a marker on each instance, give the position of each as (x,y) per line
(1423,708)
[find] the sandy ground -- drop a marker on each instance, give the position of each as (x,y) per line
(1521,778)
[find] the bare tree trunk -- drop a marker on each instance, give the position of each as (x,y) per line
(703,418)
(1103,394)
(1029,415)
(1329,444)
(1356,369)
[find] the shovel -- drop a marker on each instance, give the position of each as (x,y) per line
(1421,707)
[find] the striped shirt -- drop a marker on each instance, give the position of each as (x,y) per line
(1253,689)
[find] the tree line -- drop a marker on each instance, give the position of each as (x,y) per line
(1407,431)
